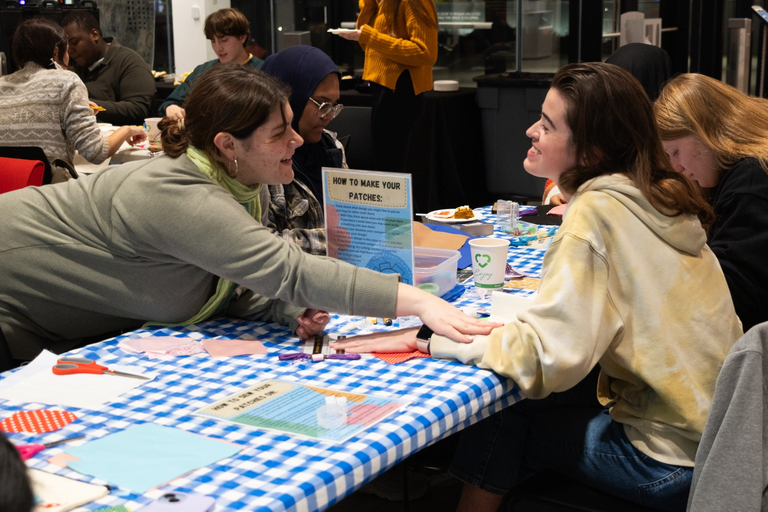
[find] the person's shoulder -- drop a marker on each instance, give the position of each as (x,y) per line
(747,175)
(117,51)
(255,62)
(751,166)
(169,172)
(39,78)
(205,66)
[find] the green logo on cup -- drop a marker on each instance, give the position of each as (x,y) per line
(483,256)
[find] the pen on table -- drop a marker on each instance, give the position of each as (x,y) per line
(292,356)
(29,450)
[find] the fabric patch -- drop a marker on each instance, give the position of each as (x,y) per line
(399,357)
(187,349)
(525,283)
(37,421)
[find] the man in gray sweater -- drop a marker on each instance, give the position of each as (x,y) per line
(117,78)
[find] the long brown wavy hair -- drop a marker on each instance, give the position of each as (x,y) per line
(227,98)
(613,131)
(733,125)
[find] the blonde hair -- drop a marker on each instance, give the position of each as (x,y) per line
(733,125)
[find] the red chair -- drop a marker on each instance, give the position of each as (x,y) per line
(16,173)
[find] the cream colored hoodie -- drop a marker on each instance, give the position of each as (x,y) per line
(638,292)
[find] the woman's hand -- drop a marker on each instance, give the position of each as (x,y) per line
(175,112)
(130,134)
(311,322)
(440,316)
(94,107)
(401,340)
(135,135)
(557,200)
(350,36)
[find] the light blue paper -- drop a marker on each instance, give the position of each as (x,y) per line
(142,457)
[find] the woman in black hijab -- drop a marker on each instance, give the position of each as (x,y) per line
(295,210)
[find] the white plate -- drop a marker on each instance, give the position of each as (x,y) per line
(340,30)
(448,219)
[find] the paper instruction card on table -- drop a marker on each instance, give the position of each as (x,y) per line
(368,220)
(292,408)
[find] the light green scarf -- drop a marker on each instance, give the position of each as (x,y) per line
(246,196)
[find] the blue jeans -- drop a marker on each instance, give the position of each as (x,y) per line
(569,433)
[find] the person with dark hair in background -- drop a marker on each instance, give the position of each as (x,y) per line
(295,211)
(15,487)
(178,239)
(399,38)
(42,105)
(628,284)
(117,77)
(228,31)
(650,64)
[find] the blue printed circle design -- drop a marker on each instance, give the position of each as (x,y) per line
(390,263)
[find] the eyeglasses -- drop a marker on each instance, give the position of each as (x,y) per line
(325,108)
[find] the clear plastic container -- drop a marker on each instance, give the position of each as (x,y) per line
(435,269)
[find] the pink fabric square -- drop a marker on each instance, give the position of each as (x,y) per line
(229,348)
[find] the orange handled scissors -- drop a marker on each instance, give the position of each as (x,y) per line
(72,365)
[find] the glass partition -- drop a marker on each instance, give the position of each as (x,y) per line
(474,37)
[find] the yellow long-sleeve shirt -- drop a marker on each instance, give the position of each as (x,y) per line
(410,44)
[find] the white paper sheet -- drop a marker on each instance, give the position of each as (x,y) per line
(36,383)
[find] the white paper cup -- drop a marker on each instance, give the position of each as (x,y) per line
(150,126)
(489,262)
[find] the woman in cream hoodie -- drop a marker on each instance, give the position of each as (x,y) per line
(628,283)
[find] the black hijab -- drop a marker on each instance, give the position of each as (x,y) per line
(303,68)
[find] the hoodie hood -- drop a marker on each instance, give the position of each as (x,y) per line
(302,68)
(683,232)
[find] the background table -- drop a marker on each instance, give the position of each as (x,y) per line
(273,471)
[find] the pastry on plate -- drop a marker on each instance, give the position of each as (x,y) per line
(463,212)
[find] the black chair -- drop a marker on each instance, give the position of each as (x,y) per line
(29,153)
(548,491)
(354,124)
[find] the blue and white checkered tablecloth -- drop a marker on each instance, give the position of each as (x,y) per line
(281,472)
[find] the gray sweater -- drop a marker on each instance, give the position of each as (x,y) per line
(146,241)
(731,470)
(49,108)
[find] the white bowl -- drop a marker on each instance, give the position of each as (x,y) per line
(446,85)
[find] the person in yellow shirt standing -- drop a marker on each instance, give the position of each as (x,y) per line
(399,38)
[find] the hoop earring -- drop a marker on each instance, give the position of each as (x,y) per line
(229,168)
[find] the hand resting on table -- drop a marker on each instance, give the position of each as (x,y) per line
(440,316)
(312,322)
